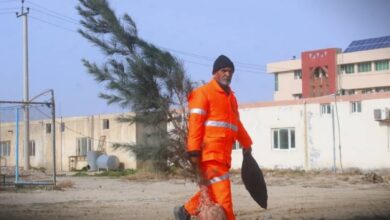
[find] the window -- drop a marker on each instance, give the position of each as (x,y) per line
(297,74)
(356,107)
(48,128)
(31,148)
(106,124)
(83,146)
(276,82)
(297,96)
(381,65)
(364,67)
(5,148)
(62,126)
(236,145)
(319,72)
(325,109)
(283,138)
(348,68)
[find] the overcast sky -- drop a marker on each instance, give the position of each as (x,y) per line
(251,32)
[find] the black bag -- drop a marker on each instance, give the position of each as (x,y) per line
(254,180)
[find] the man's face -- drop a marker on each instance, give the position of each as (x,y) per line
(224,76)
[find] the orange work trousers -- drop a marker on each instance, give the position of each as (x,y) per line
(219,192)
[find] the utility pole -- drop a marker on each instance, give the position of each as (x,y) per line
(24,14)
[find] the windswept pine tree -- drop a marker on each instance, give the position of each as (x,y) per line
(140,77)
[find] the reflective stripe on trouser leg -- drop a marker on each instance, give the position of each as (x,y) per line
(220,192)
(219,178)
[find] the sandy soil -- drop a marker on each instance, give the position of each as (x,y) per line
(291,196)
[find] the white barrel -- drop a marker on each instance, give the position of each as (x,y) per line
(108,162)
(91,159)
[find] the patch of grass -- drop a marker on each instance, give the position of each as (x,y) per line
(81,173)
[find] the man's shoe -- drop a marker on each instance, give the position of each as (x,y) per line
(180,213)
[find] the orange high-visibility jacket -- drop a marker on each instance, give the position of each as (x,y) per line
(214,123)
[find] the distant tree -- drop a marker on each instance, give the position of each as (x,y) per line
(141,77)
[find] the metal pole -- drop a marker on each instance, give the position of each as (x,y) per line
(306,150)
(17,147)
(25,88)
(26,95)
(338,128)
(334,142)
(53,121)
(61,169)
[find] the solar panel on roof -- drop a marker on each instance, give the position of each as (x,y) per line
(368,44)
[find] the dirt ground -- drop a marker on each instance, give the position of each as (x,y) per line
(292,195)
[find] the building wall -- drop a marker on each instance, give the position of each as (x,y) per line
(92,126)
(37,134)
(363,80)
(288,86)
(319,70)
(66,141)
(364,142)
(286,80)
(363,56)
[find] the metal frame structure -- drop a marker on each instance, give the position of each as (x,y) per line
(25,105)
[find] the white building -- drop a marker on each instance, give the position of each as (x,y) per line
(312,134)
(75,136)
(331,109)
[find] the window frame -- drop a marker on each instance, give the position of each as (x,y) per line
(276,82)
(291,145)
(362,67)
(380,63)
(297,74)
(356,107)
(106,124)
(7,146)
(348,68)
(31,148)
(48,128)
(325,109)
(79,146)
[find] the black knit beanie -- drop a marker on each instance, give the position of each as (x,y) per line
(221,62)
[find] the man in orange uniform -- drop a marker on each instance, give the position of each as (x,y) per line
(214,126)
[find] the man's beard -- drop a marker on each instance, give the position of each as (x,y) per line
(225,81)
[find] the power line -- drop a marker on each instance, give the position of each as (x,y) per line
(242,69)
(54,12)
(241,66)
(74,21)
(53,15)
(236,69)
(7,9)
(6,1)
(52,24)
(210,58)
(250,70)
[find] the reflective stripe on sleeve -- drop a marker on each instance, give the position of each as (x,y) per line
(197,111)
(221,124)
